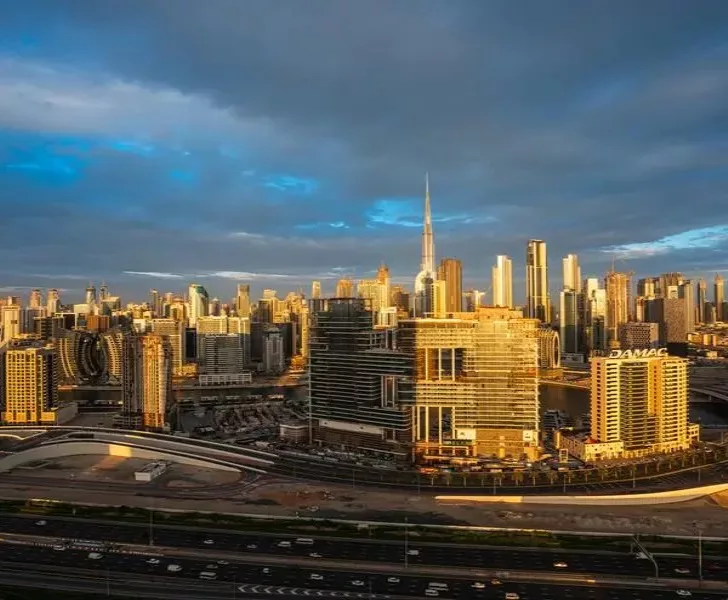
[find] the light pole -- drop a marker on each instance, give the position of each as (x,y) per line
(406,542)
(700,556)
(151,524)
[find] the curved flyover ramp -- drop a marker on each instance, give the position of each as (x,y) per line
(62,448)
(651,498)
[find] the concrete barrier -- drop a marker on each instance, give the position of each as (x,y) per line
(76,448)
(668,497)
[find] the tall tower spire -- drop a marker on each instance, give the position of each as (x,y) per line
(428,239)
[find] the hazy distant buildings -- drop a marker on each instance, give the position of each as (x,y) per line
(538,305)
(199,301)
(617,286)
(502,282)
(572,273)
(242,300)
(719,298)
(345,288)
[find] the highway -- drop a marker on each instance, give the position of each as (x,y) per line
(124,572)
(417,553)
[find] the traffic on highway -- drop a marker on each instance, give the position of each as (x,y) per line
(407,552)
(291,581)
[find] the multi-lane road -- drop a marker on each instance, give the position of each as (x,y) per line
(411,552)
(108,571)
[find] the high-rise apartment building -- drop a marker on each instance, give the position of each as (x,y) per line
(475,384)
(11,321)
(175,332)
(146,387)
(502,282)
(375,292)
(36,299)
(199,303)
(719,297)
(221,354)
(450,272)
(617,286)
(239,326)
(274,357)
(29,373)
(473,299)
(570,322)
(639,404)
(572,273)
(345,288)
(315,290)
(538,303)
(360,386)
(639,335)
(595,315)
(53,302)
(648,287)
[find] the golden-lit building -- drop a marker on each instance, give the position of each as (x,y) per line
(30,371)
(475,384)
(617,286)
(146,380)
(450,272)
(639,401)
(345,288)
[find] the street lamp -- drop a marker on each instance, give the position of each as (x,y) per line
(406,542)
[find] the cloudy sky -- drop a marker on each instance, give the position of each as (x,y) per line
(150,143)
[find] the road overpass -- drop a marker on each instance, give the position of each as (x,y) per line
(711,393)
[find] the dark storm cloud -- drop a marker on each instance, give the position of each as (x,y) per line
(599,127)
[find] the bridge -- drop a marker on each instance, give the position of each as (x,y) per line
(711,393)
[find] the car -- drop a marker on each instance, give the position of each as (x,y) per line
(478,585)
(560,565)
(431,592)
(153,561)
(172,568)
(41,523)
(209,542)
(284,544)
(413,552)
(251,546)
(95,555)
(392,579)
(316,577)
(512,596)
(211,566)
(682,571)
(266,571)
(222,562)
(59,547)
(683,593)
(495,581)
(315,555)
(357,583)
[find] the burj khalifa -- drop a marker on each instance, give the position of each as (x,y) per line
(427,275)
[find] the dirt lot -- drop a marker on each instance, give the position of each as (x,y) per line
(283,498)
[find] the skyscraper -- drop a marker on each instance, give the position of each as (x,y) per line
(345,288)
(617,286)
(572,273)
(52,301)
(315,290)
(451,273)
(701,300)
(146,380)
(538,305)
(427,275)
(29,372)
(36,299)
(242,300)
(502,282)
(570,330)
(199,302)
(719,297)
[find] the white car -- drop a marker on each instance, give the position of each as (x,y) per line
(222,562)
(251,546)
(95,555)
(512,596)
(682,571)
(431,592)
(560,565)
(284,544)
(208,542)
(316,577)
(153,561)
(266,571)
(315,555)
(413,552)
(41,523)
(392,579)
(683,593)
(174,568)
(211,566)
(357,583)
(59,547)
(478,585)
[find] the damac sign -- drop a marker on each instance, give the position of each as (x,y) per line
(638,353)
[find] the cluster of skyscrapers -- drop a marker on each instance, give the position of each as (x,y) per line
(427,374)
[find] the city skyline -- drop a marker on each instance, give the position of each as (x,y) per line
(147,169)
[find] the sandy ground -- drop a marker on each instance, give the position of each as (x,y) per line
(288,499)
